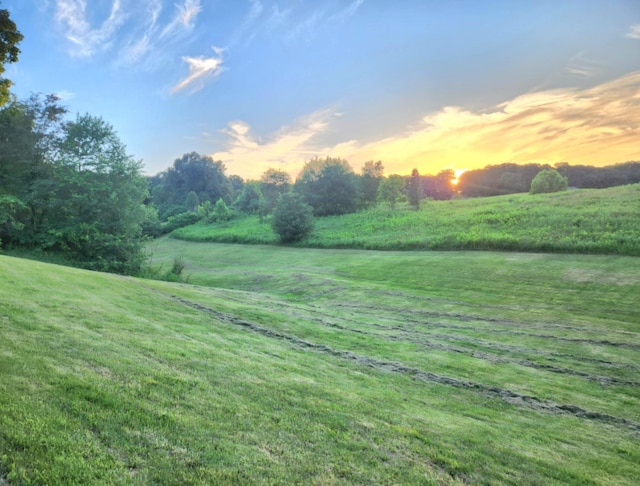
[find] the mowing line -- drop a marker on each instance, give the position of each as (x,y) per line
(508,396)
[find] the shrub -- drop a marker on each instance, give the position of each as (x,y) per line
(220,211)
(179,221)
(292,218)
(548,180)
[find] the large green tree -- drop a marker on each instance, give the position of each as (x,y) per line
(273,183)
(370,177)
(292,218)
(10,37)
(415,190)
(91,204)
(191,172)
(329,186)
(548,180)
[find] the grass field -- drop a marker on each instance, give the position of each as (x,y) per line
(602,221)
(284,365)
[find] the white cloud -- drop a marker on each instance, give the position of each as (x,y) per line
(184,17)
(634,32)
(200,69)
(86,39)
(287,149)
(350,11)
(64,95)
(581,66)
(596,126)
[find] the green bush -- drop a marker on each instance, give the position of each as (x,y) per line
(548,180)
(179,221)
(292,218)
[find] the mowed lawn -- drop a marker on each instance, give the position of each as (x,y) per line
(276,365)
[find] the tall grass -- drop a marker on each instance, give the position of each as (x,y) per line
(602,221)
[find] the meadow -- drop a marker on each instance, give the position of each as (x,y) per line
(600,221)
(280,365)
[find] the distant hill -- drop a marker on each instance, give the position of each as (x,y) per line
(604,221)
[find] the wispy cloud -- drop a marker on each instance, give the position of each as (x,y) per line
(184,17)
(86,39)
(599,125)
(349,11)
(65,95)
(582,66)
(634,32)
(137,31)
(200,69)
(248,28)
(286,149)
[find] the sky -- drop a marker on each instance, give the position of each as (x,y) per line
(426,84)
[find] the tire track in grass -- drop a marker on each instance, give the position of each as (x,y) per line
(552,356)
(508,396)
(407,336)
(463,317)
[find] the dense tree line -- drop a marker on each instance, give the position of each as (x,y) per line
(495,180)
(69,186)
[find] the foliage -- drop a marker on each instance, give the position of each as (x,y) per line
(292,218)
(439,187)
(190,173)
(391,190)
(220,211)
(273,183)
(10,37)
(250,200)
(415,191)
(495,180)
(371,175)
(328,186)
(180,220)
(548,180)
(81,194)
(582,221)
(192,202)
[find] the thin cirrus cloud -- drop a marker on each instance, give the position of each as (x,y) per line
(595,126)
(200,69)
(85,39)
(133,29)
(634,32)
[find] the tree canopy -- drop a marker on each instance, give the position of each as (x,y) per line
(70,187)
(548,180)
(329,186)
(10,37)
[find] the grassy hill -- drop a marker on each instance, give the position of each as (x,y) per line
(287,366)
(604,221)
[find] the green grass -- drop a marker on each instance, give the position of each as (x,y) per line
(601,221)
(279,365)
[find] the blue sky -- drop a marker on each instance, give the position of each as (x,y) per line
(414,83)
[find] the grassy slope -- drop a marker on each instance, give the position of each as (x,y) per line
(322,367)
(585,221)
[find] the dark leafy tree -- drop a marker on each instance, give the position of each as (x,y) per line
(273,183)
(391,190)
(548,180)
(440,186)
(220,211)
(371,175)
(292,218)
(415,191)
(191,172)
(192,202)
(329,186)
(10,37)
(250,199)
